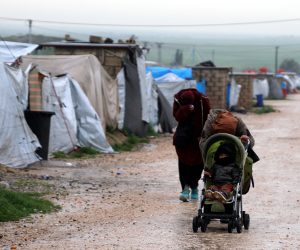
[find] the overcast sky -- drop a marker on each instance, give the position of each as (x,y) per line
(165,12)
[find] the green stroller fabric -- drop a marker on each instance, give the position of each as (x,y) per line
(244,162)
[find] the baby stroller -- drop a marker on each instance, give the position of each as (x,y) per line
(231,211)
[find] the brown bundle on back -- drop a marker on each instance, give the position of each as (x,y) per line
(225,122)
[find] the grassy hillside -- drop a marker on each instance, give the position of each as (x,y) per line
(239,53)
(238,56)
(36,39)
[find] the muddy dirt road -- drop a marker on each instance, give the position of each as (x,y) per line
(130,200)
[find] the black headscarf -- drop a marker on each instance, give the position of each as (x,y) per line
(229,150)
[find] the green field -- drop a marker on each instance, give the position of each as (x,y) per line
(225,51)
(238,56)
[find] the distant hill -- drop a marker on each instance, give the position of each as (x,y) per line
(35,39)
(239,53)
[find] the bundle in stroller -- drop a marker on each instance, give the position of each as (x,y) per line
(214,202)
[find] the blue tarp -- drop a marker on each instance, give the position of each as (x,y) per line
(228,95)
(185,73)
(283,83)
(201,86)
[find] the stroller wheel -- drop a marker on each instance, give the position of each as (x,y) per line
(203,225)
(230,226)
(239,225)
(195,224)
(246,221)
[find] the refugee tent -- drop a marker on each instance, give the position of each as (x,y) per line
(76,122)
(166,120)
(102,90)
(98,86)
(152,95)
(135,101)
(297,81)
(233,93)
(167,82)
(17,142)
(289,78)
(286,83)
(159,109)
(10,51)
(170,84)
(145,85)
(260,87)
(184,73)
(275,89)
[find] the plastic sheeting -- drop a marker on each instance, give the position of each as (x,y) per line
(133,121)
(121,89)
(160,109)
(153,101)
(151,95)
(144,86)
(163,91)
(170,84)
(76,123)
(201,86)
(234,94)
(57,97)
(291,85)
(184,73)
(19,80)
(169,77)
(10,51)
(167,122)
(275,89)
(297,81)
(17,142)
(260,87)
(98,86)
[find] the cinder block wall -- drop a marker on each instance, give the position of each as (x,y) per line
(216,83)
(246,82)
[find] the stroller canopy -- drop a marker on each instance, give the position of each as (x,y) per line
(214,141)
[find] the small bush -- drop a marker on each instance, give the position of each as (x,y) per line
(78,153)
(263,110)
(130,143)
(59,154)
(151,131)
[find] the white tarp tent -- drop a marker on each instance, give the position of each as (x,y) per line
(150,102)
(170,84)
(291,84)
(98,86)
(75,123)
(17,142)
(234,94)
(152,96)
(10,51)
(260,87)
(121,92)
(145,87)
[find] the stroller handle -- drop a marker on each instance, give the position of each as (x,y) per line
(247,145)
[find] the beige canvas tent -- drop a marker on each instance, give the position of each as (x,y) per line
(99,87)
